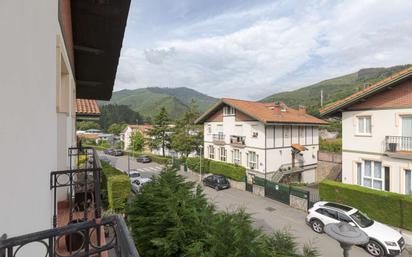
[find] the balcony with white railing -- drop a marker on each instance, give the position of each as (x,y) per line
(398,147)
(219,139)
(238,141)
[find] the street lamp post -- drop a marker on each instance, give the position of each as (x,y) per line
(347,235)
(200,164)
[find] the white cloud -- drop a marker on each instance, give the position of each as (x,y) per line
(276,53)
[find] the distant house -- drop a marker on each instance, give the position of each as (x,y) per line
(125,136)
(377,134)
(270,139)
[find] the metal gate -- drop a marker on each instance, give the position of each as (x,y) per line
(278,192)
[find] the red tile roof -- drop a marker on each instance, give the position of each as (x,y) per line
(142,128)
(264,112)
(87,107)
(377,87)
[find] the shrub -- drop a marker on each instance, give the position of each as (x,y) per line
(118,189)
(390,208)
(107,172)
(331,145)
(229,170)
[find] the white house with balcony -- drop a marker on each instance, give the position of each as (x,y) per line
(377,134)
(271,140)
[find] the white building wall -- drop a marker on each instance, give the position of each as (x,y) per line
(278,143)
(357,148)
(29,128)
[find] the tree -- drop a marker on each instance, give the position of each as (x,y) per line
(116,128)
(171,217)
(113,113)
(159,134)
(136,141)
(86,125)
(187,137)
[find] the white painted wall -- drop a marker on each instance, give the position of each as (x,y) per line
(357,148)
(278,141)
(29,138)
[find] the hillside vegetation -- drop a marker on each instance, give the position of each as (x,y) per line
(149,101)
(333,89)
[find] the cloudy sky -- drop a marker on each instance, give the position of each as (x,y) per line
(251,49)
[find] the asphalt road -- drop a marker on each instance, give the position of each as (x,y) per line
(268,214)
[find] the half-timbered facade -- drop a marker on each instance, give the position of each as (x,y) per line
(271,140)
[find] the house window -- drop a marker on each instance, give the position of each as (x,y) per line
(255,132)
(372,175)
(253,160)
(364,125)
(408,182)
(211,152)
(228,111)
(236,156)
(209,129)
(222,154)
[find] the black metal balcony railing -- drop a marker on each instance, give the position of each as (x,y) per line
(118,242)
(81,183)
(398,144)
(218,137)
(238,140)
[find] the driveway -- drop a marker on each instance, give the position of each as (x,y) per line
(268,214)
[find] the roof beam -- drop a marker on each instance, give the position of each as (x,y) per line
(88,50)
(85,83)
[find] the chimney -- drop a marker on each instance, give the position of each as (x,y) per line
(283,106)
(302,109)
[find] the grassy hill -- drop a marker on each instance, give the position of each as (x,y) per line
(333,89)
(148,101)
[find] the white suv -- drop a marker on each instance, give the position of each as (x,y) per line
(383,239)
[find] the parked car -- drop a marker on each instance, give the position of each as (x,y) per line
(217,182)
(117,152)
(105,159)
(139,183)
(144,159)
(383,239)
(134,175)
(108,151)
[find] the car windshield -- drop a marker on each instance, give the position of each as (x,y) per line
(222,180)
(362,219)
(134,175)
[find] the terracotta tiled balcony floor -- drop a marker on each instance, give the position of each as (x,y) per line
(63,220)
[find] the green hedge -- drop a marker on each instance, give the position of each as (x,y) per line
(390,208)
(229,170)
(331,145)
(118,189)
(109,172)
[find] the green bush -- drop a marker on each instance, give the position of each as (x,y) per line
(118,189)
(107,172)
(390,208)
(229,170)
(331,145)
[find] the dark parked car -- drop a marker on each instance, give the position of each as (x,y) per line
(217,182)
(143,159)
(109,151)
(117,152)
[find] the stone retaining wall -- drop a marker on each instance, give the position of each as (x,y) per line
(259,190)
(298,203)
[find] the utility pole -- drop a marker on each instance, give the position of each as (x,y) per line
(321,98)
(200,164)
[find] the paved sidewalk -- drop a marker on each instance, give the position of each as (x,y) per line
(272,215)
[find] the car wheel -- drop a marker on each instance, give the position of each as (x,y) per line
(317,226)
(375,249)
(217,188)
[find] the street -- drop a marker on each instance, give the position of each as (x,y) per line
(268,214)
